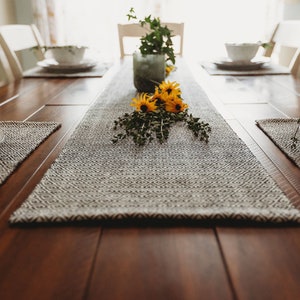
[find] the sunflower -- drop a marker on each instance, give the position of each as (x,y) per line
(143,103)
(170,87)
(158,97)
(175,105)
(169,69)
(171,96)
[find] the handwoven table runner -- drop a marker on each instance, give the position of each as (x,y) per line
(98,71)
(270,69)
(281,131)
(184,178)
(20,139)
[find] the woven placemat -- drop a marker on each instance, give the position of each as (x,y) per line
(281,131)
(97,71)
(269,69)
(184,178)
(20,139)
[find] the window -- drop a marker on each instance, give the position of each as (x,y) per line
(208,23)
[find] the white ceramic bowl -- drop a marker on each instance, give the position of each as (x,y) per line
(241,51)
(68,54)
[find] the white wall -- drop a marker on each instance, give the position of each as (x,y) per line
(7,12)
(291,9)
(23,11)
(7,16)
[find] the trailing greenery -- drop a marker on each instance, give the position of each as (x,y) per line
(158,40)
(154,116)
(294,138)
(145,127)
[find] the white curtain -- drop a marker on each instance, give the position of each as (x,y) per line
(208,23)
(45,17)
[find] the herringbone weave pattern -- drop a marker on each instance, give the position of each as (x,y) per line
(280,131)
(21,138)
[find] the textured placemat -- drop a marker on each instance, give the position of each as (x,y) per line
(20,139)
(97,71)
(269,69)
(184,178)
(280,131)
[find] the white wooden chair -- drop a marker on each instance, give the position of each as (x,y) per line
(15,38)
(6,75)
(135,30)
(285,45)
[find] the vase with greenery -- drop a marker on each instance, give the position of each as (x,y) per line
(156,49)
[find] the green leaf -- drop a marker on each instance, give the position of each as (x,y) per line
(157,40)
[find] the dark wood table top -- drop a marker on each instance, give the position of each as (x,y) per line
(149,261)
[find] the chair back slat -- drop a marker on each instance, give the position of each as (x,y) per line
(135,30)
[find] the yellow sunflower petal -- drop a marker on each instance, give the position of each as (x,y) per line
(143,103)
(176,105)
(169,87)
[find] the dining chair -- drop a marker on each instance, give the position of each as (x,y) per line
(15,38)
(284,45)
(135,30)
(6,75)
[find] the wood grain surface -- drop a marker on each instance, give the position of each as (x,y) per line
(149,261)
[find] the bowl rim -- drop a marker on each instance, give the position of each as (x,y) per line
(241,44)
(58,47)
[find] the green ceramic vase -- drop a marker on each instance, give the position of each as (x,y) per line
(148,71)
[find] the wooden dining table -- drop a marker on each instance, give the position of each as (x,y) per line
(159,260)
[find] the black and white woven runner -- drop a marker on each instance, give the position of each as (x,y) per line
(184,178)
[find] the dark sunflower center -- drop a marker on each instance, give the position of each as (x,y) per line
(178,106)
(144,108)
(159,102)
